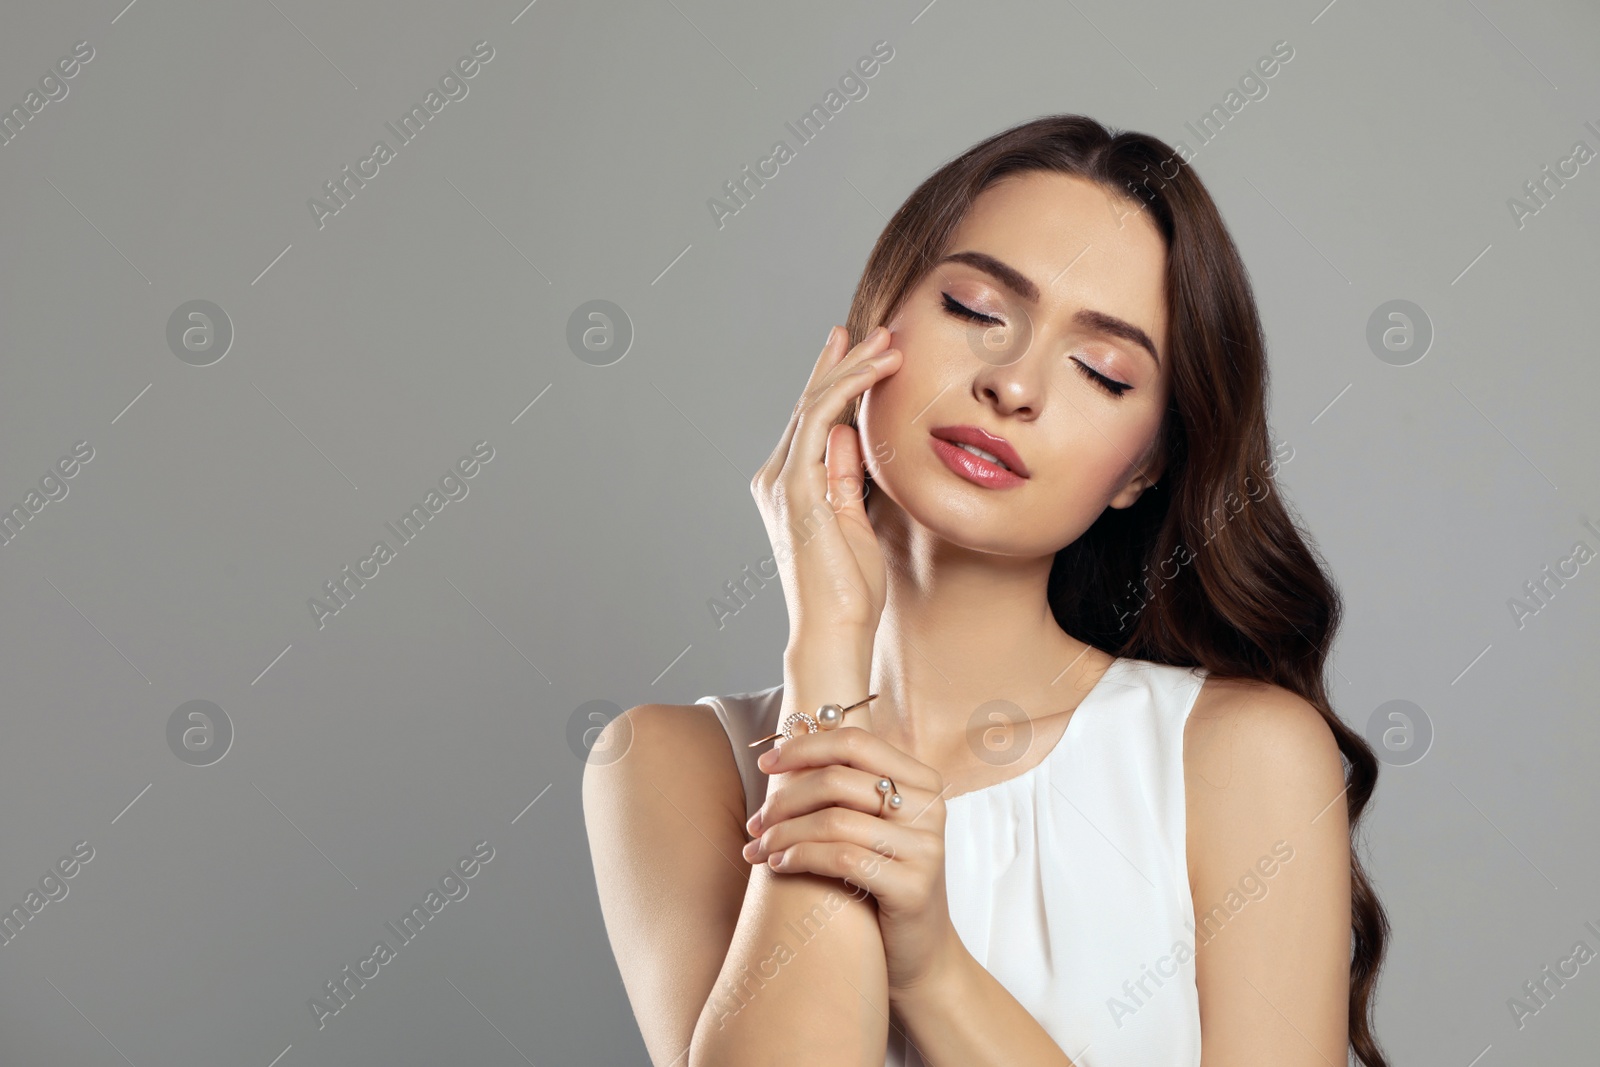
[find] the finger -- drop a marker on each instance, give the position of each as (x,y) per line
(835,355)
(802,474)
(842,825)
(834,349)
(855,865)
(838,354)
(832,352)
(843,465)
(853,747)
(808,450)
(801,792)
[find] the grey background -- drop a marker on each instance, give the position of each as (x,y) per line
(369,755)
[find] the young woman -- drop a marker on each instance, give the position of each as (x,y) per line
(1096,810)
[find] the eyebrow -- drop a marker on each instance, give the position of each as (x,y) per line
(1023,286)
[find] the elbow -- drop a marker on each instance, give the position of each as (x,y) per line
(714,1044)
(722,1047)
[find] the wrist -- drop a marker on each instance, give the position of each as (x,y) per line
(943,988)
(834,682)
(837,681)
(841,655)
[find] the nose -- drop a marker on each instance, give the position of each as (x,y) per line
(1013,380)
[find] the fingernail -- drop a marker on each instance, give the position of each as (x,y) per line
(753,826)
(829,341)
(767,759)
(776,858)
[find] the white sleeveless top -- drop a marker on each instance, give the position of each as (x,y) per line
(1069,882)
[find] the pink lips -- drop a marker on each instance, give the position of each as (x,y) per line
(947,440)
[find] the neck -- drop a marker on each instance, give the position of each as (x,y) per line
(959,629)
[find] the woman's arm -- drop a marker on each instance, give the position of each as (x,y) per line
(805,980)
(774,970)
(662,827)
(750,968)
(963,1016)
(1269,863)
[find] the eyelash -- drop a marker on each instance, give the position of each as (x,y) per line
(960,310)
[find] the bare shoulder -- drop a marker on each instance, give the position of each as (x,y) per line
(663,806)
(1269,866)
(680,749)
(1261,765)
(1260,732)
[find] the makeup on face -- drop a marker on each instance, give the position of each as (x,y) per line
(979,456)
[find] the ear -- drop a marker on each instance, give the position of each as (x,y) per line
(1147,474)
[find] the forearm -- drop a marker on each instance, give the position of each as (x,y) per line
(964,1017)
(804,980)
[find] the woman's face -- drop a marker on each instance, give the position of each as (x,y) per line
(1063,278)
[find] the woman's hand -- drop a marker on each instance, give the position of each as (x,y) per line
(821,816)
(809,493)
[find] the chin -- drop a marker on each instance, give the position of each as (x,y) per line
(970,517)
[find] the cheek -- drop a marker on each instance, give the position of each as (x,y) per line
(1136,448)
(879,422)
(889,406)
(1097,456)
(893,422)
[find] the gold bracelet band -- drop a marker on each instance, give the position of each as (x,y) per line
(827,717)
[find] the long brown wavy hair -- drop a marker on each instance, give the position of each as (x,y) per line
(1247,597)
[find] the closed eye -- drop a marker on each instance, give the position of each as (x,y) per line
(960,310)
(1111,385)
